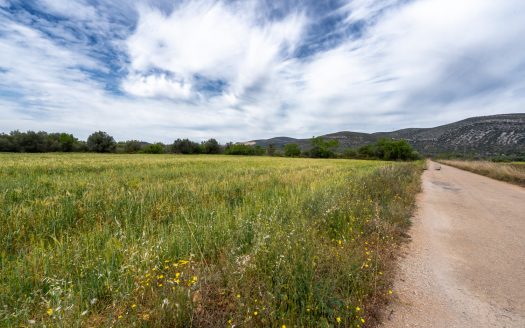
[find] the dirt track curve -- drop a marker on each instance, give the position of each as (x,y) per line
(465,265)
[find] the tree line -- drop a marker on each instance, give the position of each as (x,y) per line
(101,142)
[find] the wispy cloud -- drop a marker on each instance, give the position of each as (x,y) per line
(240,70)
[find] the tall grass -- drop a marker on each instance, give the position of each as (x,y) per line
(509,172)
(204,241)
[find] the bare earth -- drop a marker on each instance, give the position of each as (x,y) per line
(465,265)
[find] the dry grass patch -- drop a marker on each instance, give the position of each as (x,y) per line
(509,172)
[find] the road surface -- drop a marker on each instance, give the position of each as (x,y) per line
(465,264)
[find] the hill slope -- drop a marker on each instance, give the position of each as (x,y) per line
(485,135)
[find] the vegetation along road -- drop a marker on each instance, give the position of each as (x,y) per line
(465,266)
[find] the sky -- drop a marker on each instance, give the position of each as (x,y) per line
(158,70)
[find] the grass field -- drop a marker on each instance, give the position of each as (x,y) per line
(509,172)
(179,241)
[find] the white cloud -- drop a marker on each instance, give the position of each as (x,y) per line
(416,64)
(211,39)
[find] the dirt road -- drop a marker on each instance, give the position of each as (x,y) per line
(465,265)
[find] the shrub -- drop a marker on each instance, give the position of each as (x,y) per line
(292,150)
(186,146)
(101,142)
(157,148)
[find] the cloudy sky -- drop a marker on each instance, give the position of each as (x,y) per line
(236,70)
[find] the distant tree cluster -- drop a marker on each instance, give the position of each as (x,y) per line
(39,142)
(389,150)
(242,149)
(102,142)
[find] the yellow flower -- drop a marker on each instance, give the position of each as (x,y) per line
(133,306)
(120,316)
(145,317)
(49,311)
(160,285)
(338,319)
(389,292)
(362,320)
(255,313)
(357,308)
(238,295)
(283,326)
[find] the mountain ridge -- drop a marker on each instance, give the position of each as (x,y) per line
(502,134)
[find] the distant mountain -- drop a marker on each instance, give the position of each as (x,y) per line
(485,136)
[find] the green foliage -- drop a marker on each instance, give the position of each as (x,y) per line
(101,142)
(292,150)
(389,150)
(157,148)
(323,148)
(99,240)
(211,146)
(38,142)
(270,150)
(246,150)
(186,146)
(132,146)
(350,153)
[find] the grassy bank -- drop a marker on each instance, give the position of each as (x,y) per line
(509,172)
(178,241)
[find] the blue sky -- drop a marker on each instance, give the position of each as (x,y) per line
(239,70)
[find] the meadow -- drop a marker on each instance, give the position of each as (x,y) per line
(92,240)
(510,172)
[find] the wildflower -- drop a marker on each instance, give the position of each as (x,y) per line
(160,276)
(362,320)
(49,311)
(357,308)
(238,295)
(145,317)
(133,306)
(338,319)
(183,262)
(177,275)
(283,326)
(380,273)
(255,313)
(166,261)
(160,285)
(120,316)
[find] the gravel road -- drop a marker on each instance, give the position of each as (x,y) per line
(465,264)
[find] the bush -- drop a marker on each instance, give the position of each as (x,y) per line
(322,148)
(186,146)
(211,146)
(101,142)
(389,150)
(157,148)
(292,150)
(241,149)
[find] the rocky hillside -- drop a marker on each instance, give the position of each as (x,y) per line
(486,136)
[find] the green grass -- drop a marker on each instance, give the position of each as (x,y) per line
(103,240)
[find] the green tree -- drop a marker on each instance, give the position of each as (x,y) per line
(292,150)
(211,146)
(101,142)
(132,146)
(157,148)
(322,148)
(186,146)
(270,150)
